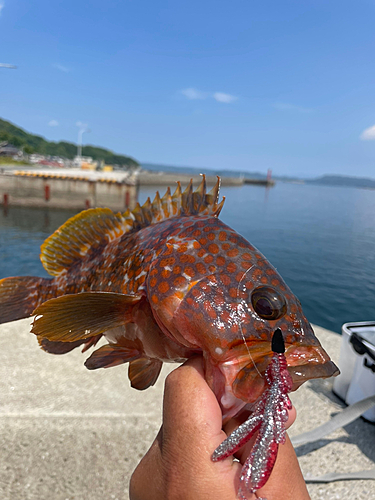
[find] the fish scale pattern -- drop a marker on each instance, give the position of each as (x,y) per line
(170,257)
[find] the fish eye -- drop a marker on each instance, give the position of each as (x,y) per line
(268,303)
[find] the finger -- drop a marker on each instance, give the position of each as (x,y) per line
(192,422)
(292,415)
(191,413)
(286,481)
(147,481)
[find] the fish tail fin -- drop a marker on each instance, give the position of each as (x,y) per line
(19,296)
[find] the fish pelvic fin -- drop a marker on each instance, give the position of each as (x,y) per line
(96,227)
(19,296)
(144,372)
(83,315)
(111,355)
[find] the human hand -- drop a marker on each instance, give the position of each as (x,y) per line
(178,465)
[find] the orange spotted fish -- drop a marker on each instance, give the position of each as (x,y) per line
(162,283)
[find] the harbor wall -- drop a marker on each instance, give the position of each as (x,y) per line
(54,191)
(147,178)
(76,189)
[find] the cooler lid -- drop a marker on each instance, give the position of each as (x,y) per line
(365,332)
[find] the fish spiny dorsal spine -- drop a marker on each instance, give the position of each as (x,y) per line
(188,202)
(184,203)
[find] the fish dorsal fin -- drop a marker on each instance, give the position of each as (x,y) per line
(81,233)
(144,372)
(179,203)
(97,226)
(82,315)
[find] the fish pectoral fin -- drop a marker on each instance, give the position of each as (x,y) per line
(144,372)
(111,355)
(79,316)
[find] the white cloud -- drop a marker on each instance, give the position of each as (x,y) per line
(368,134)
(53,123)
(62,68)
(192,94)
(221,97)
(284,106)
(2,4)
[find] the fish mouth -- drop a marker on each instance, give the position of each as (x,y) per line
(305,363)
(302,373)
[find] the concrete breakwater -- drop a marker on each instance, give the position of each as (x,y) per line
(79,189)
(73,189)
(147,178)
(150,178)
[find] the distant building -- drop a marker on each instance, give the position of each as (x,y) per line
(35,158)
(85,162)
(7,149)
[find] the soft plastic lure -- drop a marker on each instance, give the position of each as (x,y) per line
(269,417)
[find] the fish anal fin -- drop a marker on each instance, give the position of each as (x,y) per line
(144,372)
(83,315)
(111,355)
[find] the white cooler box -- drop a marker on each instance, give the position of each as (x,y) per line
(357,364)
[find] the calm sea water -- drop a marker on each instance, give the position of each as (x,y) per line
(321,240)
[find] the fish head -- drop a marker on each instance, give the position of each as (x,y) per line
(231,313)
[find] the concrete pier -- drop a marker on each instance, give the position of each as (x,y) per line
(68,188)
(80,189)
(70,434)
(148,178)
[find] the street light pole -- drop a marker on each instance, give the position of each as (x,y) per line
(79,144)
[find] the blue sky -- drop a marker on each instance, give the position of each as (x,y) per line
(249,85)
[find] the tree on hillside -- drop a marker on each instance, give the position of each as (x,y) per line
(31,143)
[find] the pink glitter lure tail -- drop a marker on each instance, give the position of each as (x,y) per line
(268,419)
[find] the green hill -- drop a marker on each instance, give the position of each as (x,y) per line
(36,144)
